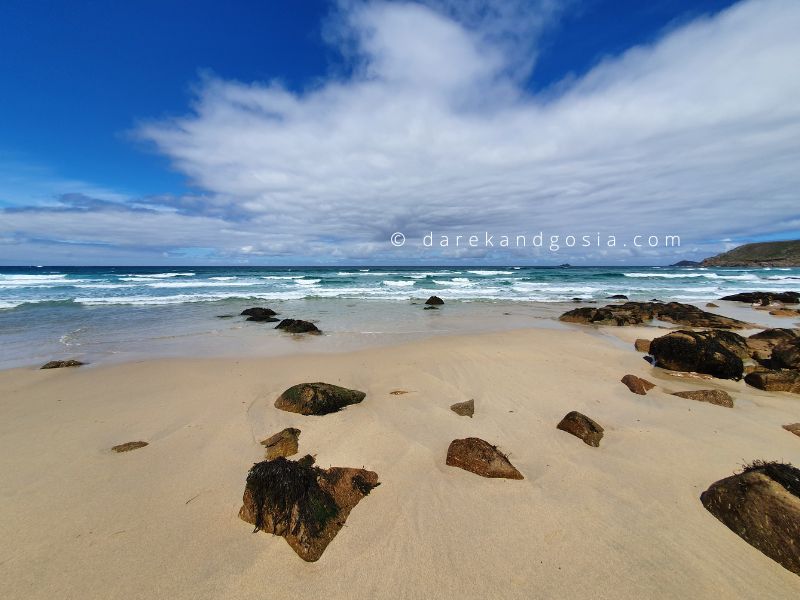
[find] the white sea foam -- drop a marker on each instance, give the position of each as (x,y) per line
(391,283)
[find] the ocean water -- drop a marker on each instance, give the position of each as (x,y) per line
(123,313)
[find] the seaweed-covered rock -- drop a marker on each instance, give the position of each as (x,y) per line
(762,506)
(434,301)
(642,345)
(265,315)
(717,353)
(128,446)
(784,380)
(480,457)
(765,298)
(582,427)
(786,355)
(718,397)
(303,503)
(464,409)
(61,364)
(638,313)
(317,398)
(297,326)
(284,443)
(637,385)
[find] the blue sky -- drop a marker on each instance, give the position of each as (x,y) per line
(304,132)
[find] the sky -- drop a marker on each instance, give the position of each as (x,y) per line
(286,133)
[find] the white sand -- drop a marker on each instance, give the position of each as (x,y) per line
(620,521)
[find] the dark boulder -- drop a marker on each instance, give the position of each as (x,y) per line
(764,298)
(637,385)
(284,443)
(762,506)
(786,355)
(617,297)
(480,457)
(297,326)
(259,314)
(317,398)
(716,353)
(306,505)
(638,313)
(582,427)
(61,364)
(784,380)
(718,397)
(434,301)
(464,409)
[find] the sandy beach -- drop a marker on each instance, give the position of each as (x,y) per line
(620,521)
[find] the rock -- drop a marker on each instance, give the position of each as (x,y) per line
(762,506)
(431,308)
(761,344)
(297,326)
(638,313)
(717,353)
(582,427)
(464,409)
(637,385)
(60,364)
(642,345)
(265,315)
(128,446)
(225,316)
(617,297)
(317,398)
(283,443)
(785,380)
(434,300)
(761,297)
(718,397)
(786,355)
(785,312)
(480,457)
(304,504)
(712,305)
(398,392)
(793,428)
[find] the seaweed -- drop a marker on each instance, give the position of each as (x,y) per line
(290,492)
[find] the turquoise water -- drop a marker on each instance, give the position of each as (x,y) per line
(103,314)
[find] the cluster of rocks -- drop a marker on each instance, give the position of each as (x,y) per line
(639,313)
(267,315)
(302,503)
(765,298)
(433,303)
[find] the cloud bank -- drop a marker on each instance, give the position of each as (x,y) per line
(433,129)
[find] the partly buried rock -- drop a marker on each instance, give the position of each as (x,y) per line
(786,355)
(317,398)
(784,380)
(637,385)
(464,409)
(717,353)
(284,443)
(128,446)
(718,397)
(765,298)
(265,315)
(582,427)
(762,506)
(638,313)
(793,428)
(480,457)
(785,312)
(60,364)
(297,326)
(303,503)
(617,297)
(434,301)
(711,305)
(431,308)
(763,342)
(642,345)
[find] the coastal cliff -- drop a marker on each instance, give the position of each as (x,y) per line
(761,254)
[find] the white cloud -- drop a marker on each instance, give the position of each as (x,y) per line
(696,135)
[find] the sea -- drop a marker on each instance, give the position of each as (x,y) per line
(106,314)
